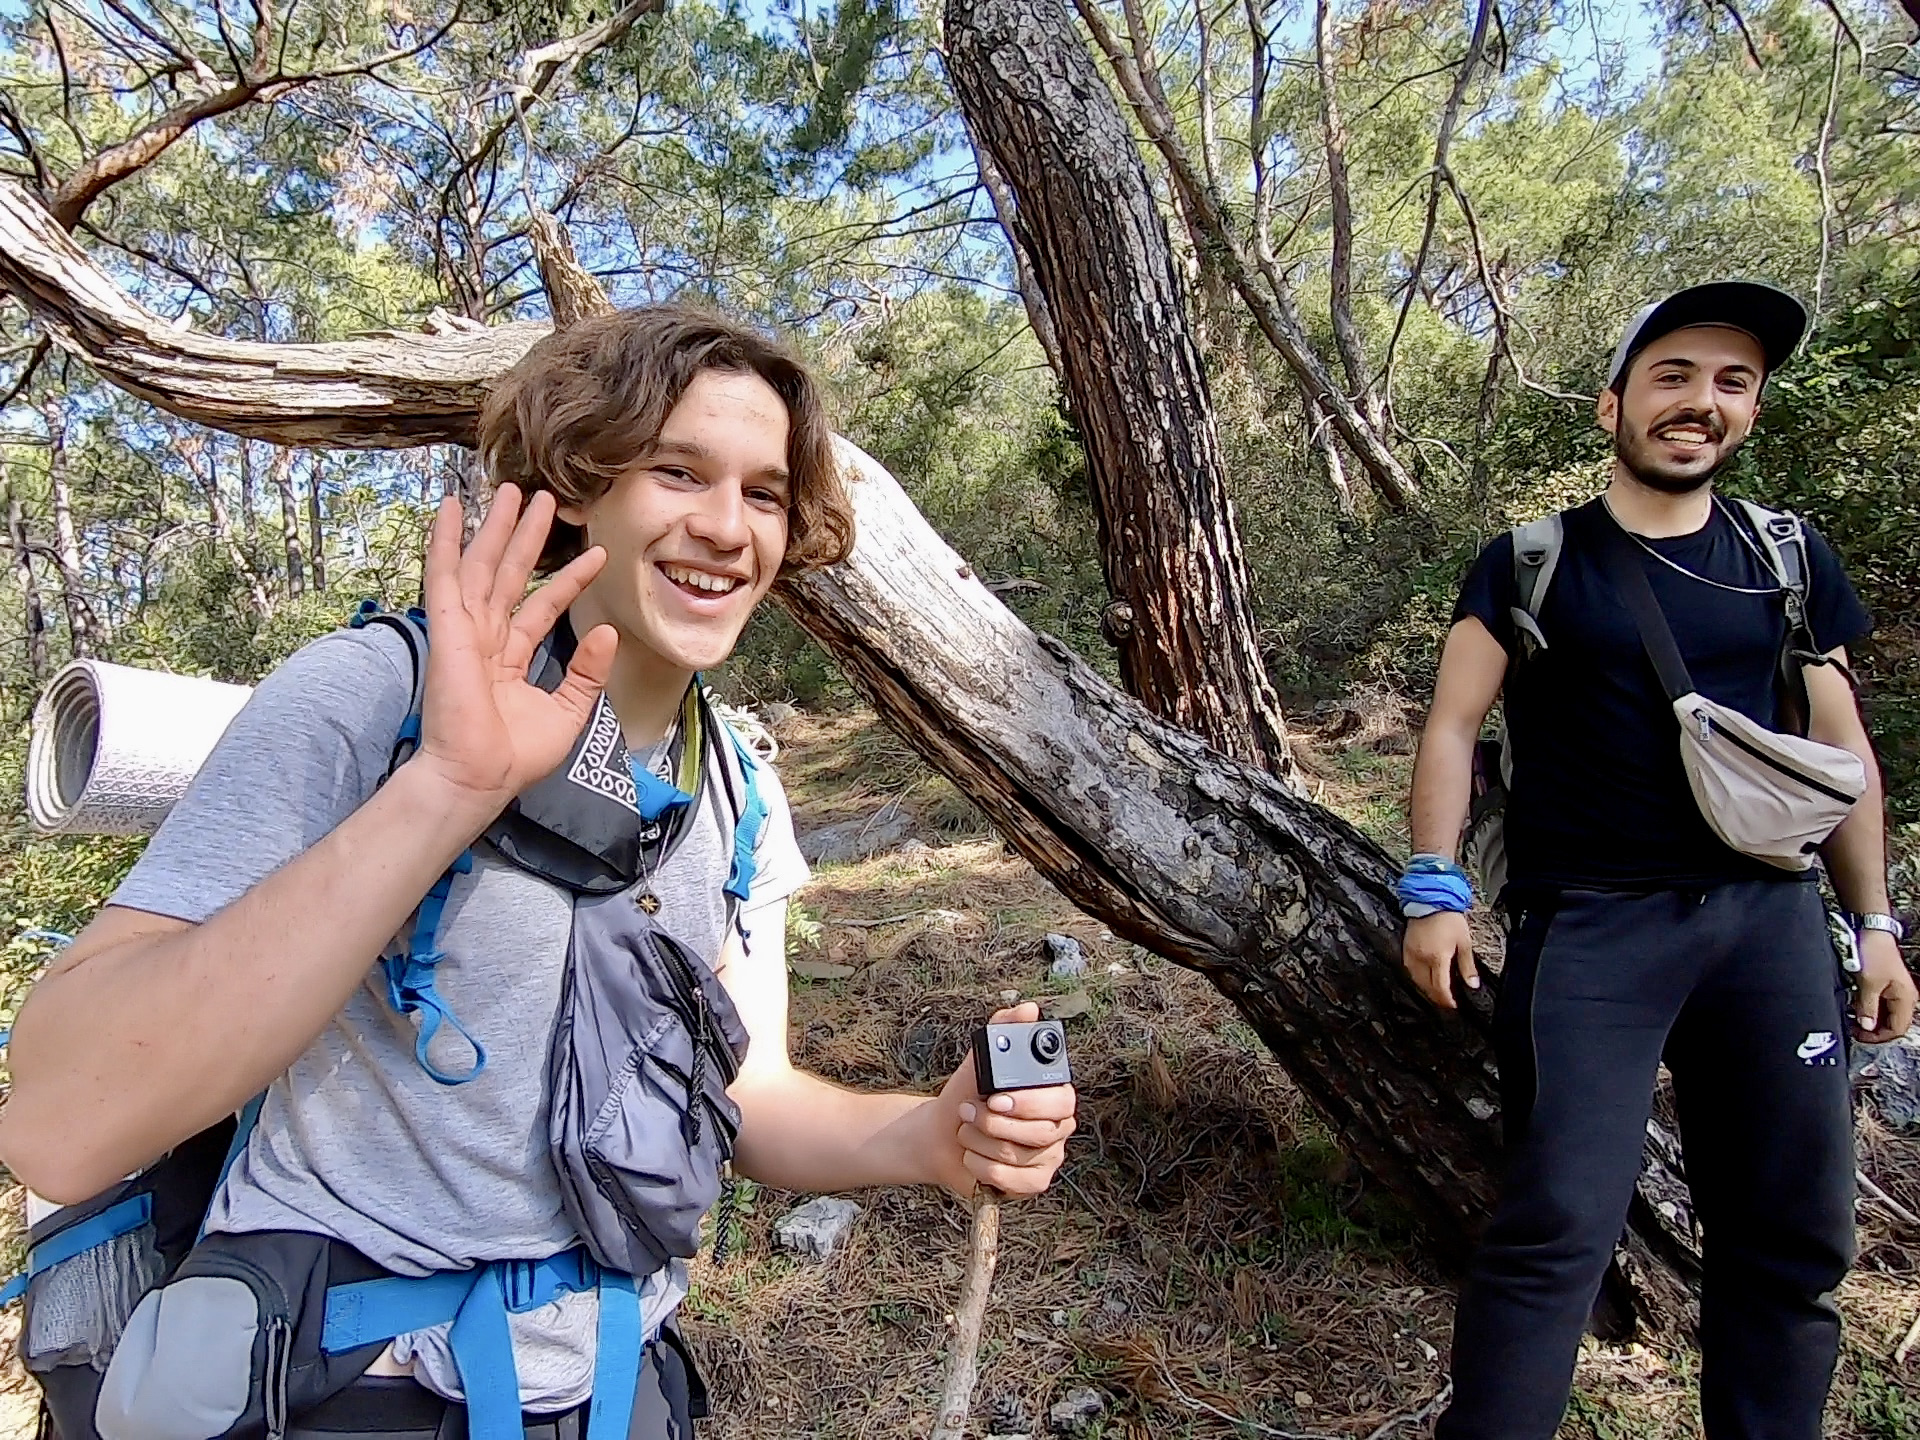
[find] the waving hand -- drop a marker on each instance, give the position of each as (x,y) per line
(485,727)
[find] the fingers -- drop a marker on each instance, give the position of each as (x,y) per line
(1014,1142)
(523,551)
(441,575)
(1024,1013)
(1468,971)
(1898,1001)
(1017,1180)
(482,558)
(587,673)
(1048,1102)
(1431,975)
(1866,1006)
(541,610)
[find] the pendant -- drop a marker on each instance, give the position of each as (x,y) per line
(648,902)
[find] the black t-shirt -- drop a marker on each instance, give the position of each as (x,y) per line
(1599,796)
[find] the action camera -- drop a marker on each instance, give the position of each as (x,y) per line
(1022,1056)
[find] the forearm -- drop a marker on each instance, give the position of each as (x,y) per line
(1442,789)
(129,1049)
(798,1132)
(1856,853)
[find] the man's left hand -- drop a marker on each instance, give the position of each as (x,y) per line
(1014,1141)
(1883,1004)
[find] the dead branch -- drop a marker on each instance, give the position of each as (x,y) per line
(1449,117)
(1272,305)
(388,391)
(963,1359)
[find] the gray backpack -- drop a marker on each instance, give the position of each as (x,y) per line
(1537,545)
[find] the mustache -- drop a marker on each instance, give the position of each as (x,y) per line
(1704,419)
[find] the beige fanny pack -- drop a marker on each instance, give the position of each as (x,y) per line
(1772,796)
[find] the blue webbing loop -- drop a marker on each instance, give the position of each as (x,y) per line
(616,1358)
(653,797)
(478,1303)
(410,984)
(746,830)
(483,1353)
(83,1235)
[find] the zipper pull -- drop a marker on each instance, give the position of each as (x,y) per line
(1706,725)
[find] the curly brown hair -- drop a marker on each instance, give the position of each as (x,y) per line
(588,401)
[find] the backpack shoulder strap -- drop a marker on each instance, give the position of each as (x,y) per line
(749,809)
(411,626)
(410,973)
(1783,539)
(1536,555)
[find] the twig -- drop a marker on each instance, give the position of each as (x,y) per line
(1414,1417)
(1905,1347)
(876,924)
(1821,155)
(963,1360)
(1886,1201)
(1193,1404)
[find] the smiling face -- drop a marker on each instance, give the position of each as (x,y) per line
(695,530)
(1688,400)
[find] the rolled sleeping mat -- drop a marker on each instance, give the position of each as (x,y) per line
(114,747)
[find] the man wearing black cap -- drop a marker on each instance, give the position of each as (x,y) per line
(1637,934)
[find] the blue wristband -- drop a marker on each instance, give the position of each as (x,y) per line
(1431,884)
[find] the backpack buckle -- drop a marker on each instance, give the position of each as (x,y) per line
(1781,527)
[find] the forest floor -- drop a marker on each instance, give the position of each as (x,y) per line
(1210,1263)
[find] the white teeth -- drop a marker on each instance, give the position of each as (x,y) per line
(701,580)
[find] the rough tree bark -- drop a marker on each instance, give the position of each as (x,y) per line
(316,533)
(1217,865)
(23,576)
(1169,542)
(280,469)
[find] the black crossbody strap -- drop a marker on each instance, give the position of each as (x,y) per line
(1629,576)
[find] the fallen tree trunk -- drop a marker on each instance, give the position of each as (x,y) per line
(1219,866)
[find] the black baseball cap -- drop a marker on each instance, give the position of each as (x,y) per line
(1770,315)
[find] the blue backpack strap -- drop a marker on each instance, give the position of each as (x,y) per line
(477,1302)
(748,824)
(78,1238)
(410,982)
(616,1359)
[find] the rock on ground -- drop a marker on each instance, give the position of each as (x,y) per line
(817,1227)
(1066,958)
(855,840)
(1075,1412)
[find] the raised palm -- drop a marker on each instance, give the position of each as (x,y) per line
(484,726)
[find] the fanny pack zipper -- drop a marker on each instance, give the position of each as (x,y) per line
(1707,731)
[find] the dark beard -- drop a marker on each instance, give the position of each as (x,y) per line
(1649,473)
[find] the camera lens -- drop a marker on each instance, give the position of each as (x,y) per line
(1047,1045)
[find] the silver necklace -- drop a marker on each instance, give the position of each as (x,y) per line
(1691,575)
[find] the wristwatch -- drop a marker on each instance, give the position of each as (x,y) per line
(1889,923)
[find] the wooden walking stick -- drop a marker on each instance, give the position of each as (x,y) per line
(963,1360)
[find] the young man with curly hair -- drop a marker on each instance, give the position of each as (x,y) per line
(664,467)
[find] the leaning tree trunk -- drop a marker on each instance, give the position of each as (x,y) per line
(1218,865)
(1086,217)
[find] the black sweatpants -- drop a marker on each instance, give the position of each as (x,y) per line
(1738,989)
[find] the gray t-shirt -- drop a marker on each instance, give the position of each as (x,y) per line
(356,1141)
